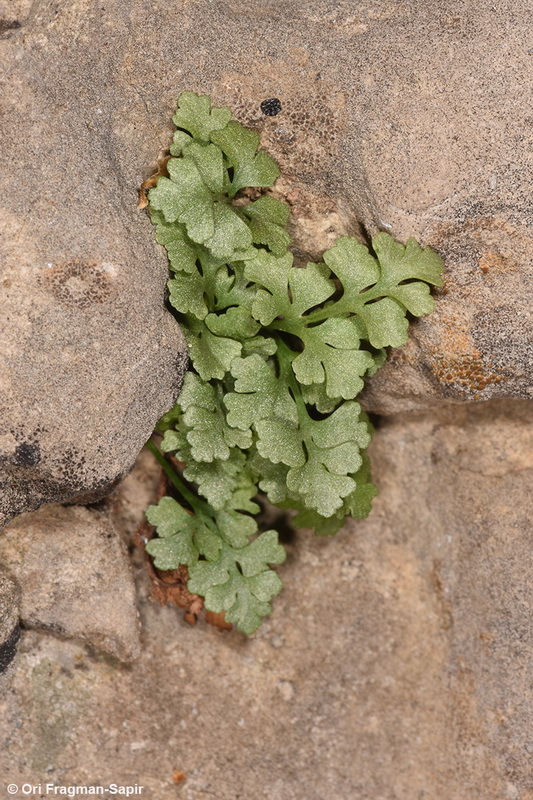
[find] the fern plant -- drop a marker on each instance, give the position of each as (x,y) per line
(278,356)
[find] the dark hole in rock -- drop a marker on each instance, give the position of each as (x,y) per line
(27,455)
(271,107)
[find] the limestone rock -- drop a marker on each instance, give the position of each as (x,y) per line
(74,576)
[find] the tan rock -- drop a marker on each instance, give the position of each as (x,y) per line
(396,663)
(74,577)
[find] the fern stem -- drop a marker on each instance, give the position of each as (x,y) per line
(285,358)
(346,306)
(198,505)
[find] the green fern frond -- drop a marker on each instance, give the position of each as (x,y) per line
(278,354)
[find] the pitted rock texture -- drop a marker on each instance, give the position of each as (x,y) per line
(411,118)
(74,577)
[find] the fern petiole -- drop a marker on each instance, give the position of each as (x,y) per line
(285,325)
(345,307)
(285,359)
(197,505)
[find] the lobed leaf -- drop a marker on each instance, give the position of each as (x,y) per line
(207,432)
(288,291)
(267,218)
(195,115)
(183,536)
(321,455)
(237,323)
(209,162)
(241,591)
(357,504)
(379,290)
(250,168)
(211,355)
(185,198)
(332,354)
(232,238)
(400,262)
(272,478)
(217,480)
(182,254)
(258,394)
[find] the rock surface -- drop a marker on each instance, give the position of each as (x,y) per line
(396,664)
(478,343)
(90,357)
(74,576)
(410,118)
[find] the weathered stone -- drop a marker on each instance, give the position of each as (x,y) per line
(90,357)
(75,578)
(126,506)
(455,495)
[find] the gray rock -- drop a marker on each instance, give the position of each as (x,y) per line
(74,576)
(9,620)
(90,357)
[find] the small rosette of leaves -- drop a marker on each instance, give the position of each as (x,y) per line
(278,356)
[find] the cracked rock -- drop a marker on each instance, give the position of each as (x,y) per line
(9,620)
(74,577)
